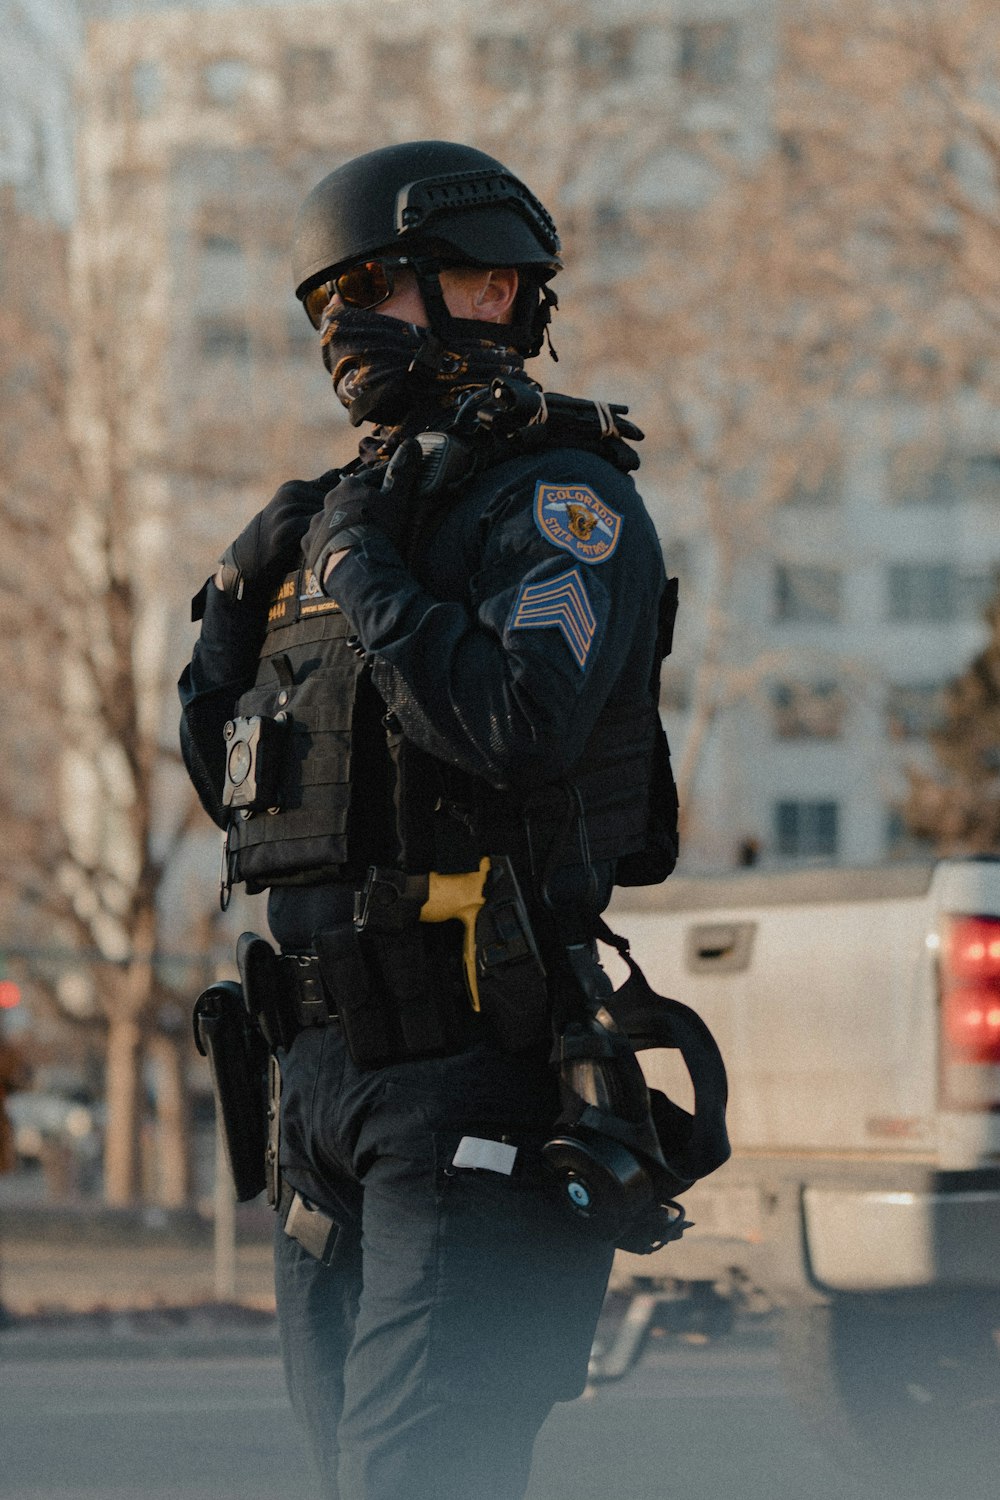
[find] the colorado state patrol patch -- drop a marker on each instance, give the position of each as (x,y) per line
(573,517)
(561,602)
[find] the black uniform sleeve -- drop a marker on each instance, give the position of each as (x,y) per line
(509,683)
(222,667)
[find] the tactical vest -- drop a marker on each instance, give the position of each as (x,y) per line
(310,684)
(342,789)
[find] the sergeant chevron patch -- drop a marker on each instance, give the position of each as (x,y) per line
(573,517)
(561,602)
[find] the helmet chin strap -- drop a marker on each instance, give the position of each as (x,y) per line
(442,324)
(444,330)
(444,327)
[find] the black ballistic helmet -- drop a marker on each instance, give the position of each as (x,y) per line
(443,203)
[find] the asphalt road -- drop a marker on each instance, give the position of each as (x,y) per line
(710,1422)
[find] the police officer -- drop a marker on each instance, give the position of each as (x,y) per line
(423,706)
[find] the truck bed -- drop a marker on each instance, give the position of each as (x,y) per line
(821,988)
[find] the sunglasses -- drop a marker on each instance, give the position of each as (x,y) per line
(364,285)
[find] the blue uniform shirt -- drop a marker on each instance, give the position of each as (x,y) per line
(533,612)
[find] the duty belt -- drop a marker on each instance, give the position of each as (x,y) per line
(303,990)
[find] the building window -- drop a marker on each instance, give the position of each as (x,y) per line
(309,76)
(226,81)
(301,336)
(981,477)
(806,829)
(919,475)
(610,224)
(147,88)
(792,145)
(220,246)
(913,710)
(222,273)
(921,592)
(605,56)
(809,595)
(223,253)
(224,338)
(816,484)
(976,592)
(807,710)
(503,61)
(709,54)
(403,68)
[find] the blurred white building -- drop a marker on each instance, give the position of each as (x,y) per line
(42,40)
(199,130)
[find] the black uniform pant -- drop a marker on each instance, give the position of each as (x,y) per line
(460,1303)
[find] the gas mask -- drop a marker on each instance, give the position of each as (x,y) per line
(620,1152)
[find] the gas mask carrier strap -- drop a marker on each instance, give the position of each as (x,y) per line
(650,1021)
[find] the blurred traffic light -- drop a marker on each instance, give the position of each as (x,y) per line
(10,994)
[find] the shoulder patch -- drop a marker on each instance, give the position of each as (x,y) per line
(563,603)
(575,518)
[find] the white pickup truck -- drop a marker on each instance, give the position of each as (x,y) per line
(858,1012)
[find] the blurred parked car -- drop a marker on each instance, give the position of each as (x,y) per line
(14,1075)
(60,1133)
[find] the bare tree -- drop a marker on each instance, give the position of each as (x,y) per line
(94,807)
(957,805)
(845,256)
(891,106)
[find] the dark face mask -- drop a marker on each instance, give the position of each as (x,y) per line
(373,362)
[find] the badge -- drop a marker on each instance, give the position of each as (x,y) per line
(312,600)
(561,602)
(573,517)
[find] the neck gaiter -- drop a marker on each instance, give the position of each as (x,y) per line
(371,362)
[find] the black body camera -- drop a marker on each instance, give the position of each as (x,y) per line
(253,762)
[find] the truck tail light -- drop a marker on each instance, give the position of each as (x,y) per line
(970,992)
(972,1023)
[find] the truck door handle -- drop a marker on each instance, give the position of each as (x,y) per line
(719,947)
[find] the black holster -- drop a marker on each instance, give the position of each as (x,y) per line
(237,1055)
(263,992)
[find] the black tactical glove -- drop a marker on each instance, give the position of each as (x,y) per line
(268,547)
(371,498)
